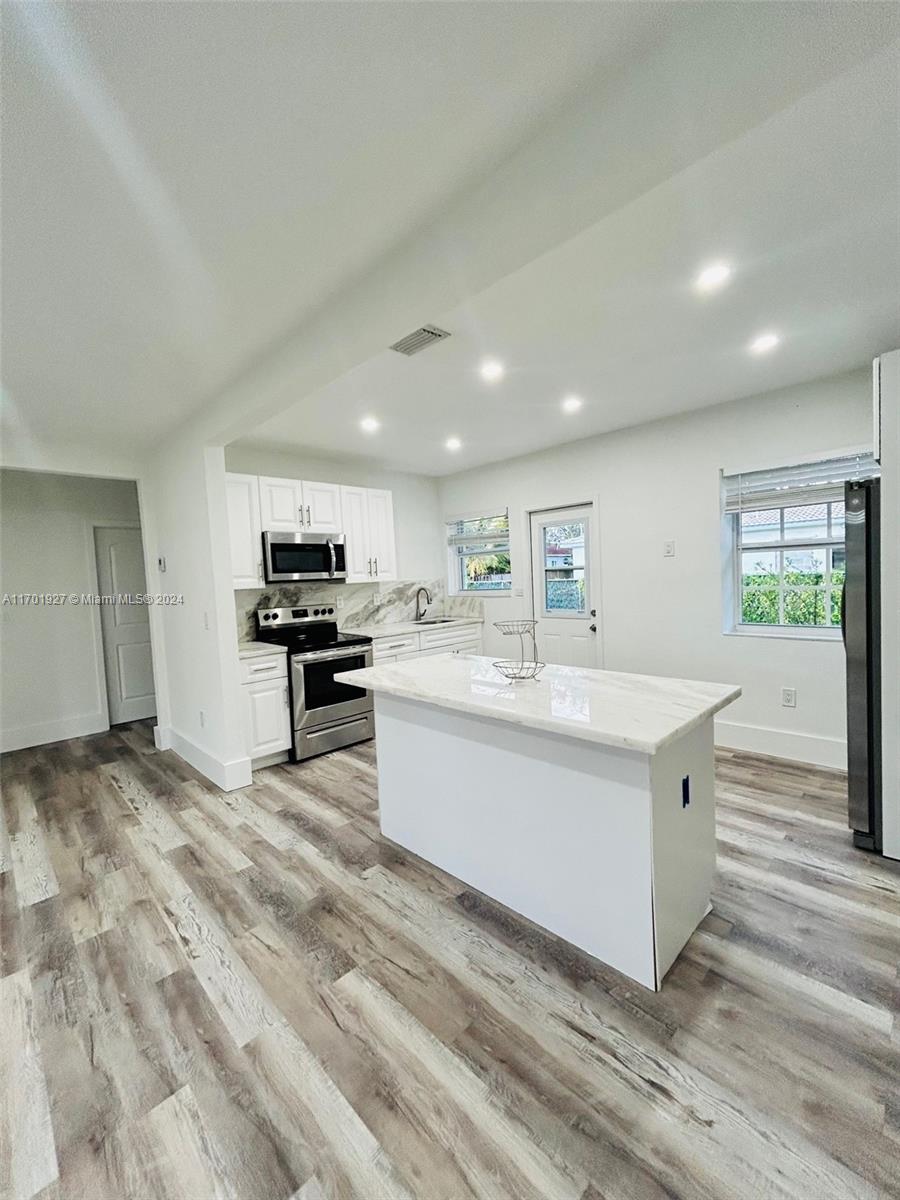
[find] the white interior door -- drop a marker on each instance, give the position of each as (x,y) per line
(126,628)
(561,586)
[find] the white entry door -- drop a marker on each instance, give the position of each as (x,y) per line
(126,627)
(561,586)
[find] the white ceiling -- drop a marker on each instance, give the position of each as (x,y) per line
(184,183)
(805,209)
(185,186)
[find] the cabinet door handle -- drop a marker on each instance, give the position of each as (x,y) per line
(376,566)
(269,667)
(300,511)
(308,517)
(370,566)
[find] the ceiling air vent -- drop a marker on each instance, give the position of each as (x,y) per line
(414,342)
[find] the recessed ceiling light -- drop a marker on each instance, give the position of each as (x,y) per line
(571,404)
(491,370)
(764,343)
(713,277)
(370,424)
(453,443)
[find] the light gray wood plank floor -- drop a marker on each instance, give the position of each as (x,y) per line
(254,996)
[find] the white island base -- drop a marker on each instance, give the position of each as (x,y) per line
(593,843)
(527,793)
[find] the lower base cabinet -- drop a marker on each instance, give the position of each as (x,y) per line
(267,715)
(458,639)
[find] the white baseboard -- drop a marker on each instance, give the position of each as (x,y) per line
(53,731)
(780,743)
(227,775)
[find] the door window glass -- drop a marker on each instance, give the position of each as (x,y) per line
(564,559)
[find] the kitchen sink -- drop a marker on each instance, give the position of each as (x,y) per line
(436,621)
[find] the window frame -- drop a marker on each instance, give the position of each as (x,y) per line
(456,560)
(781,545)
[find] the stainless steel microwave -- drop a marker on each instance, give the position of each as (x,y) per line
(295,557)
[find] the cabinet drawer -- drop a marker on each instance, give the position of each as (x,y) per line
(404,643)
(270,666)
(449,635)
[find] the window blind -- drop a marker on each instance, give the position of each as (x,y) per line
(475,533)
(806,483)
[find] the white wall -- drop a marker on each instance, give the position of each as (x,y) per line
(416,507)
(53,686)
(664,615)
(195,643)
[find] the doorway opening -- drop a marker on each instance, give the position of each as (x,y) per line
(562,586)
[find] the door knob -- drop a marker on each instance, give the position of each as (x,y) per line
(593,628)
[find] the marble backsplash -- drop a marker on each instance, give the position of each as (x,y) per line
(363,603)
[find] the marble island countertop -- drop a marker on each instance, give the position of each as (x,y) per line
(396,628)
(638,712)
(259,649)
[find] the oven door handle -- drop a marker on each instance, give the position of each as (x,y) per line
(318,656)
(330,544)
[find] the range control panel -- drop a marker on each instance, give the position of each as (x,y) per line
(294,616)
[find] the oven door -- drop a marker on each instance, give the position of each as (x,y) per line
(293,557)
(316,697)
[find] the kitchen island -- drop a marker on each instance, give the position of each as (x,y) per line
(583,800)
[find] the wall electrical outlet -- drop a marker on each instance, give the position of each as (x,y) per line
(339,603)
(668,549)
(202,719)
(789,697)
(206,620)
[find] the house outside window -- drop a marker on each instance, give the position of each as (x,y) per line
(787,545)
(478,555)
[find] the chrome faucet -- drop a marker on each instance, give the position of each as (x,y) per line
(420,612)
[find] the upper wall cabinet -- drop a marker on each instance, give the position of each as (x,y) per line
(381,534)
(244,530)
(322,507)
(261,502)
(280,504)
(299,506)
(369,527)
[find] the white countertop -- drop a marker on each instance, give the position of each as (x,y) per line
(396,628)
(638,712)
(258,649)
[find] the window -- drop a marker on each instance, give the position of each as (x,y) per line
(478,550)
(561,562)
(788,543)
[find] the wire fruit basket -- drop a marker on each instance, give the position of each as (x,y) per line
(521,668)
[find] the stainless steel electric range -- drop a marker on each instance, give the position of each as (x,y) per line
(325,715)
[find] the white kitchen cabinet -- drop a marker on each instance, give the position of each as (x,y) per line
(281,504)
(299,505)
(267,721)
(446,639)
(355,511)
(368,515)
(381,533)
(322,507)
(244,530)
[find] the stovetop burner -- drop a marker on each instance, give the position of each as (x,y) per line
(303,629)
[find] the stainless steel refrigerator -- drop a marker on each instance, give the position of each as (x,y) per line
(861,627)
